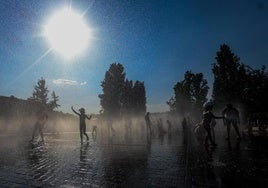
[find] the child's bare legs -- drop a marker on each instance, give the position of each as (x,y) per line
(86,134)
(34,131)
(81,136)
(41,134)
(83,131)
(228,124)
(33,135)
(208,136)
(94,130)
(236,130)
(213,134)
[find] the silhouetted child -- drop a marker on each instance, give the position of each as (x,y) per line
(94,129)
(160,127)
(94,132)
(200,132)
(148,123)
(184,124)
(212,126)
(206,121)
(39,125)
(231,115)
(169,126)
(82,127)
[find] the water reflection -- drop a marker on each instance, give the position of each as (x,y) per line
(83,152)
(84,164)
(161,138)
(122,161)
(209,152)
(94,136)
(37,158)
(151,161)
(236,145)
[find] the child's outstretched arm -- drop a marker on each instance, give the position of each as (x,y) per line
(89,117)
(75,111)
(216,117)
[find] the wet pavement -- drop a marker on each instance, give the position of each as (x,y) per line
(175,160)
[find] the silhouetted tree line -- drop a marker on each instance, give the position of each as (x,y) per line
(120,96)
(234,82)
(13,107)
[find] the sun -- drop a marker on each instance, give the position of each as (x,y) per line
(67,33)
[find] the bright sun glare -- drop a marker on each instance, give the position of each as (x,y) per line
(67,33)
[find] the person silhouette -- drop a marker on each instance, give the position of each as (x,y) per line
(184,124)
(42,118)
(82,123)
(231,115)
(212,126)
(206,121)
(169,126)
(94,129)
(148,123)
(161,130)
(94,132)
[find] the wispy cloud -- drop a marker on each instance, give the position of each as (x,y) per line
(62,82)
(83,83)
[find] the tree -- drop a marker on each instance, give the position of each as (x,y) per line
(235,82)
(255,91)
(139,98)
(182,97)
(40,96)
(199,91)
(40,93)
(54,102)
(127,98)
(229,77)
(112,88)
(190,94)
(120,96)
(172,104)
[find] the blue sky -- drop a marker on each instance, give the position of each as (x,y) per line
(156,41)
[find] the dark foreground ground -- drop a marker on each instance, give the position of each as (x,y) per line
(165,161)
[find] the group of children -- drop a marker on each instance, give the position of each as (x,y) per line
(230,116)
(158,124)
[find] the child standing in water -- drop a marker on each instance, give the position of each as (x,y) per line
(82,127)
(39,125)
(208,116)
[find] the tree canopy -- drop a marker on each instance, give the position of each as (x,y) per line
(112,87)
(40,96)
(190,94)
(120,96)
(235,82)
(229,76)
